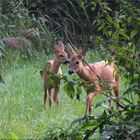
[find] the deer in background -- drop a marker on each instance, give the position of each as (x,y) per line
(53,67)
(89,73)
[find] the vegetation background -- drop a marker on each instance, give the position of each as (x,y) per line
(108,29)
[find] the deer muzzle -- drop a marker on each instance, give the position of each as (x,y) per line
(66,62)
(70,72)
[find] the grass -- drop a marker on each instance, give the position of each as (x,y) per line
(21,101)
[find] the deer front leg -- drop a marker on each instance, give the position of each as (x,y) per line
(89,100)
(56,95)
(117,93)
(110,95)
(110,102)
(45,96)
(88,103)
(50,97)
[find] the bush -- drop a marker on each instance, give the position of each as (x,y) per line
(19,24)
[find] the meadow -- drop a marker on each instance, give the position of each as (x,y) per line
(22,114)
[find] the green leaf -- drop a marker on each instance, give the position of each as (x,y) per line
(133,34)
(109,19)
(54,80)
(88,87)
(64,78)
(69,89)
(93,6)
(107,33)
(116,24)
(122,32)
(90,124)
(94,22)
(14,136)
(129,19)
(51,83)
(78,92)
(1,79)
(110,33)
(115,36)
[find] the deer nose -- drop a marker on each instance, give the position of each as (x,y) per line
(67,62)
(70,72)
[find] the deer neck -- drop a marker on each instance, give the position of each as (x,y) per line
(84,73)
(56,66)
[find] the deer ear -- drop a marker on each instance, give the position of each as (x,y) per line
(70,51)
(82,52)
(55,50)
(60,45)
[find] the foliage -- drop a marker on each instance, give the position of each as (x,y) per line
(116,27)
(126,127)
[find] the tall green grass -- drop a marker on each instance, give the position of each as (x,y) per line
(22,114)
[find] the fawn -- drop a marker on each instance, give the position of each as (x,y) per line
(53,67)
(102,69)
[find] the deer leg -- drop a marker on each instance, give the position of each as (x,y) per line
(50,98)
(45,96)
(89,101)
(56,96)
(110,101)
(90,108)
(117,92)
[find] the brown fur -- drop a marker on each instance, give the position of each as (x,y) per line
(53,66)
(102,69)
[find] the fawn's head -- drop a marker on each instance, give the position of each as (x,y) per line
(75,60)
(60,54)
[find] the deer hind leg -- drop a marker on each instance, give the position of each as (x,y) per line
(117,92)
(45,96)
(110,100)
(50,97)
(56,96)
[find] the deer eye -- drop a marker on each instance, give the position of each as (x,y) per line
(77,62)
(61,55)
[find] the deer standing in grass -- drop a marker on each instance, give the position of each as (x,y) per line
(102,69)
(53,67)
